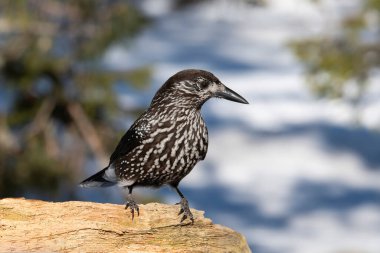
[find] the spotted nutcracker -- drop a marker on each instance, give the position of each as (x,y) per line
(167,140)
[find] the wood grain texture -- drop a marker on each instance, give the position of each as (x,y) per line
(39,226)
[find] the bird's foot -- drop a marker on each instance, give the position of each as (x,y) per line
(185,210)
(133,206)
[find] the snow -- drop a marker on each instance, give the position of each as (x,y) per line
(293,173)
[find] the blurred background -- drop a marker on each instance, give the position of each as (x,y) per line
(297,170)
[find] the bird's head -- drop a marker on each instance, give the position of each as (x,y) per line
(193,87)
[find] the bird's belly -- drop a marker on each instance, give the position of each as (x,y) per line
(159,164)
(167,167)
(167,155)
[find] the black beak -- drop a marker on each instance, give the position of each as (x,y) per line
(229,94)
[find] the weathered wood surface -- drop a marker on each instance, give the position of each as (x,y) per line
(39,226)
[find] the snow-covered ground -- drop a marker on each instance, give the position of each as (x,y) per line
(289,171)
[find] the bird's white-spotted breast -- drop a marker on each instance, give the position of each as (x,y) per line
(171,143)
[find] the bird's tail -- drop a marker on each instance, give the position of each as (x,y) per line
(97,180)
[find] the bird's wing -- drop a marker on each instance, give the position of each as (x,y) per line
(131,139)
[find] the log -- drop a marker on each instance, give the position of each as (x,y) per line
(74,226)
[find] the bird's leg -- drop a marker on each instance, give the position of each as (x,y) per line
(131,203)
(185,210)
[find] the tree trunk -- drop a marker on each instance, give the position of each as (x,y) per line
(38,226)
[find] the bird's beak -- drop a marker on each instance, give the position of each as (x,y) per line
(227,93)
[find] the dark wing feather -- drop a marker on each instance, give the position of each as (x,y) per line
(131,139)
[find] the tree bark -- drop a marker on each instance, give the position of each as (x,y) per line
(38,226)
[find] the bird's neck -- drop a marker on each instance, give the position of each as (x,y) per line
(176,100)
(173,111)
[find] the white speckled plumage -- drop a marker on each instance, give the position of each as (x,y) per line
(168,150)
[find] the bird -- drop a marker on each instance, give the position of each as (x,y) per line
(165,143)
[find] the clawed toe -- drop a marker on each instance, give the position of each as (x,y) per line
(185,210)
(133,206)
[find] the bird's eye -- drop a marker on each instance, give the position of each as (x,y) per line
(201,84)
(204,84)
